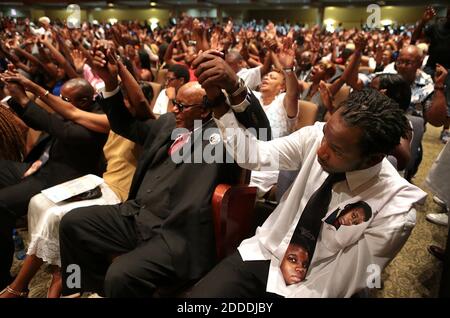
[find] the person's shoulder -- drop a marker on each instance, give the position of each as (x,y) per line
(400,188)
(313,132)
(257,94)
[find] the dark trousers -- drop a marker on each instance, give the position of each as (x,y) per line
(90,237)
(15,194)
(234,278)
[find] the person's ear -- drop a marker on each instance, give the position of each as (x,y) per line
(383,91)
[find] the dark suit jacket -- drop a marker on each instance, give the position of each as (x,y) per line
(75,150)
(182,214)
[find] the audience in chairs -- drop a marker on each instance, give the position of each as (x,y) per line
(295,75)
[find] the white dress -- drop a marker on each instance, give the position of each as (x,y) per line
(281,125)
(43,222)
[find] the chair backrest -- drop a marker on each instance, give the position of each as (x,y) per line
(307,113)
(161,76)
(156,89)
(233,215)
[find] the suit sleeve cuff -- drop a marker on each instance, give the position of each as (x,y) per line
(239,108)
(106,94)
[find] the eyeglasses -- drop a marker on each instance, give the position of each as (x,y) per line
(170,79)
(64,98)
(181,107)
(67,99)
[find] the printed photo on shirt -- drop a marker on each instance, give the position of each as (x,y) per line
(297,257)
(352,214)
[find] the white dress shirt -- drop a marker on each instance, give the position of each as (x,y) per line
(342,258)
(161,103)
(251,76)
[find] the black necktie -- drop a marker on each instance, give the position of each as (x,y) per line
(303,242)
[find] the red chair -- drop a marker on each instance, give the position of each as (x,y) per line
(233,215)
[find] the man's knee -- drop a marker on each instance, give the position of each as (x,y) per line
(122,279)
(73,220)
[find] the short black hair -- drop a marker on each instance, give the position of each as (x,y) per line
(396,88)
(147,90)
(379,117)
(180,71)
(144,59)
(359,204)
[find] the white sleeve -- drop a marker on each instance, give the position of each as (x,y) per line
(250,153)
(161,103)
(360,265)
(106,94)
(372,63)
(252,77)
(153,57)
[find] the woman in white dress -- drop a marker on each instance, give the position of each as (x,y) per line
(44,216)
(278,96)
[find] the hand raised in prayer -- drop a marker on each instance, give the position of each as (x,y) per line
(212,70)
(105,66)
(441,75)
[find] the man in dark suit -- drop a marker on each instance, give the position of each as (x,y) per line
(164,233)
(69,151)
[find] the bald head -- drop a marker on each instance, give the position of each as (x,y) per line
(408,62)
(79,92)
(192,92)
(80,85)
(189,106)
(411,50)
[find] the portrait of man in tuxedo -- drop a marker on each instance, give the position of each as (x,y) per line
(352,214)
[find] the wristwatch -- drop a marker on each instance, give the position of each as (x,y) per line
(240,89)
(289,69)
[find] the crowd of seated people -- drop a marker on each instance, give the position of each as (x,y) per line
(67,94)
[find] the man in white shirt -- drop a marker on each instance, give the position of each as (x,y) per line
(177,76)
(354,141)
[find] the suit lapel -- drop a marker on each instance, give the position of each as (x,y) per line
(163,134)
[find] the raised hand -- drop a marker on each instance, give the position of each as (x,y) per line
(213,71)
(360,42)
(105,66)
(440,75)
(428,14)
(287,54)
(326,96)
(16,77)
(178,35)
(271,45)
(15,89)
(229,27)
(78,60)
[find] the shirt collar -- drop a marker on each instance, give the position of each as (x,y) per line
(357,178)
(422,78)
